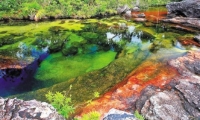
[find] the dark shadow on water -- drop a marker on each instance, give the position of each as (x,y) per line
(15,81)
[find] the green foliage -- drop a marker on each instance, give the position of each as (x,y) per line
(61,103)
(68,8)
(138,115)
(96,94)
(94,115)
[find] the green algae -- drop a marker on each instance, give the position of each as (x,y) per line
(12,36)
(58,68)
(82,56)
(84,86)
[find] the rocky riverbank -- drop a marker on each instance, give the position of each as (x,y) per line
(185,13)
(15,109)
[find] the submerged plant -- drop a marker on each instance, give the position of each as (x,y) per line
(94,115)
(61,103)
(138,115)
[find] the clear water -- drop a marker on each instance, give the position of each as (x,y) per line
(39,55)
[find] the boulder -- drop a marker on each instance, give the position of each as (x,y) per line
(181,99)
(164,105)
(135,9)
(115,114)
(189,92)
(15,109)
(122,9)
(188,65)
(197,38)
(185,8)
(128,14)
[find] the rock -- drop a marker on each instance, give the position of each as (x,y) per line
(144,96)
(164,105)
(135,9)
(197,38)
(7,62)
(128,14)
(136,15)
(115,114)
(70,51)
(16,109)
(141,15)
(189,22)
(186,8)
(188,65)
(190,94)
(122,9)
(181,99)
(139,19)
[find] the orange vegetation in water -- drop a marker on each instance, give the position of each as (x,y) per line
(153,15)
(188,41)
(123,94)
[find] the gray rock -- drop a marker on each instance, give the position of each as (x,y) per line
(115,114)
(135,9)
(141,15)
(15,109)
(164,106)
(188,22)
(190,94)
(186,8)
(197,38)
(188,65)
(144,96)
(122,9)
(140,19)
(128,14)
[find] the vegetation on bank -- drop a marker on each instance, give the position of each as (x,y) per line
(37,9)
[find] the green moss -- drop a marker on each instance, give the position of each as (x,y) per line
(96,81)
(57,68)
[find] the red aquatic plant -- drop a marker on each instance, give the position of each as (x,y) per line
(125,93)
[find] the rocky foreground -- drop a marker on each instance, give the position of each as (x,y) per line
(15,109)
(179,100)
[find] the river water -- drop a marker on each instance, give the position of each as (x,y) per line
(93,55)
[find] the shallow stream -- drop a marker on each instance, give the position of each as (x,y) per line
(92,55)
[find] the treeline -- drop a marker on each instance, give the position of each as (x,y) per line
(37,9)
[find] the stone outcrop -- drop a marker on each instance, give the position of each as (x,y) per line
(15,109)
(181,99)
(115,114)
(188,22)
(185,13)
(164,105)
(185,8)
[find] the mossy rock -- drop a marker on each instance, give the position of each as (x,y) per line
(56,29)
(70,51)
(6,40)
(90,36)
(56,46)
(58,68)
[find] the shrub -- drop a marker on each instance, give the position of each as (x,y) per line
(61,103)
(94,115)
(138,115)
